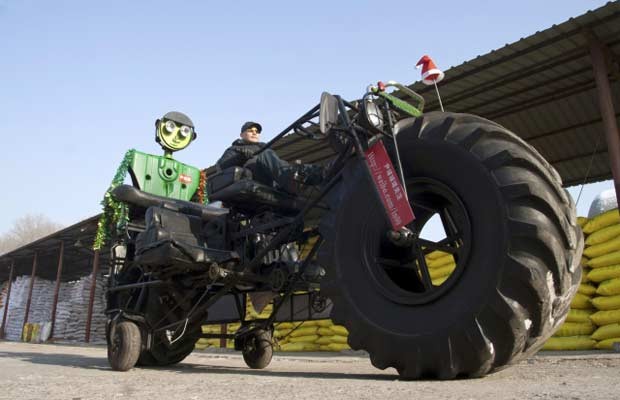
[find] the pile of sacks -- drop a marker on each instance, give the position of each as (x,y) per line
(603,249)
(230,329)
(4,287)
(440,266)
(320,335)
(72,310)
(40,305)
(250,314)
(594,318)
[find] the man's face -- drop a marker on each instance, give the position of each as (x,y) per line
(251,135)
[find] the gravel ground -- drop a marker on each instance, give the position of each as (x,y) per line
(36,371)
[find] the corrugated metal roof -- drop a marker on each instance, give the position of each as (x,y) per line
(540,87)
(77,260)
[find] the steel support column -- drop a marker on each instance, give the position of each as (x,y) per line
(599,65)
(91,302)
(57,287)
(32,278)
(6,301)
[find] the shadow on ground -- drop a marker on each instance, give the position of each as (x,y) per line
(101,363)
(65,360)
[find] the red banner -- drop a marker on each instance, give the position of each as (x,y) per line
(389,187)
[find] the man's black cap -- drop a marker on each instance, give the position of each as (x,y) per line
(251,124)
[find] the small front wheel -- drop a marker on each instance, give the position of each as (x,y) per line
(258,349)
(124,346)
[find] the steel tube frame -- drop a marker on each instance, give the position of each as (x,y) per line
(6,301)
(29,301)
(57,286)
(93,283)
(599,65)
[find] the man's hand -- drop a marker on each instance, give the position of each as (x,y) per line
(247,153)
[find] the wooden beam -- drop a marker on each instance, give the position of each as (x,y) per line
(32,278)
(91,302)
(601,72)
(6,301)
(223,331)
(57,287)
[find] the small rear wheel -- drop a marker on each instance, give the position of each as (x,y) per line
(258,349)
(124,346)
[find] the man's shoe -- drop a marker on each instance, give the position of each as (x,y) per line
(309,174)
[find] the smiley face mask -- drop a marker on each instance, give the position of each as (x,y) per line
(174,131)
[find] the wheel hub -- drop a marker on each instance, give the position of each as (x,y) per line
(399,265)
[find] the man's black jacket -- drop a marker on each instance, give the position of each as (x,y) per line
(238,154)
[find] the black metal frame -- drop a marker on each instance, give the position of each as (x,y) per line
(355,148)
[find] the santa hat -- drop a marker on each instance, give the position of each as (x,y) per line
(430,73)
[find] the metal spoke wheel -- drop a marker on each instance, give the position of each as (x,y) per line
(401,272)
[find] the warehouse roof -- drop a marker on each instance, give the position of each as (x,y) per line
(541,87)
(77,258)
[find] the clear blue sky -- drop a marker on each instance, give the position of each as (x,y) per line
(83,81)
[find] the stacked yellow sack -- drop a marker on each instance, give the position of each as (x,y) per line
(203,343)
(321,335)
(603,250)
(250,314)
(574,333)
(440,266)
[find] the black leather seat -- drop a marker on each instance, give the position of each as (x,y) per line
(172,238)
(137,197)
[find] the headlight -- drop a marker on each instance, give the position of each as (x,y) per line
(373,114)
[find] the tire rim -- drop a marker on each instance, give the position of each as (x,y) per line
(401,273)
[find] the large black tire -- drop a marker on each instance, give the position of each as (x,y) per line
(124,346)
(161,352)
(161,355)
(517,267)
(257,349)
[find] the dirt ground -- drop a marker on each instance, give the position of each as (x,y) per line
(37,371)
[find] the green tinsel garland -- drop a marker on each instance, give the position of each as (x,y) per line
(114,212)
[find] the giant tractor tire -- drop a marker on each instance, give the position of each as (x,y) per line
(163,351)
(510,226)
(162,354)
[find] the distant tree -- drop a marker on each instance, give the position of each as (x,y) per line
(27,229)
